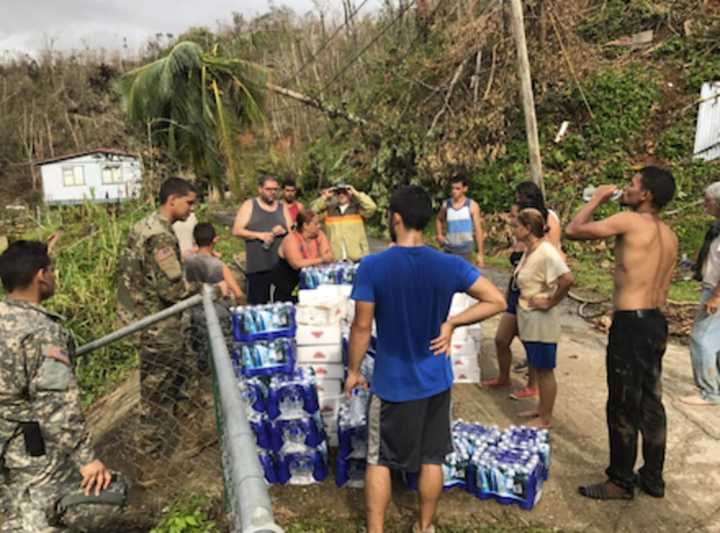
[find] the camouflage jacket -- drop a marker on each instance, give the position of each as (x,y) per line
(150,275)
(37,383)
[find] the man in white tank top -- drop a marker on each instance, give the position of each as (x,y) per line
(462,217)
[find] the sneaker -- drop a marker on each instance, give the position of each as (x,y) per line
(696,399)
(522,366)
(523,394)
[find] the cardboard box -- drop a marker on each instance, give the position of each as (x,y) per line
(345,291)
(321,354)
(461,334)
(323,295)
(317,335)
(465,363)
(462,376)
(325,370)
(328,387)
(320,315)
(459,348)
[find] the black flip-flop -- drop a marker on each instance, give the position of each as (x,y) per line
(599,491)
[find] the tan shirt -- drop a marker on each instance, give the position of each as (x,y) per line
(537,275)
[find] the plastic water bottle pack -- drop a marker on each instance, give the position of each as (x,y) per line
(508,475)
(352,439)
(509,466)
(303,468)
(292,395)
(265,357)
(263,321)
(283,413)
(342,273)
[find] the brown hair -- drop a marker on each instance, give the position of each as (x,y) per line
(303,218)
(533,220)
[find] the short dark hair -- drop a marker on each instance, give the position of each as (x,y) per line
(459,178)
(529,196)
(289,182)
(264,178)
(414,206)
(303,218)
(660,183)
(175,186)
(21,261)
(204,233)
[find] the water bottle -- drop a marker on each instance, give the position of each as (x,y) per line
(588,193)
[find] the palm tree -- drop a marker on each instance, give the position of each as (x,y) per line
(193,103)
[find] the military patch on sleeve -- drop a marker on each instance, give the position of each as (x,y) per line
(58,353)
(168,262)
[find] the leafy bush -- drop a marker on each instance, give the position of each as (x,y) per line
(615,18)
(189,514)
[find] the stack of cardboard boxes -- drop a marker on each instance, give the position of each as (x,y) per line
(466,343)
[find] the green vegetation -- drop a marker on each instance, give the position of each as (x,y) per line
(189,514)
(611,19)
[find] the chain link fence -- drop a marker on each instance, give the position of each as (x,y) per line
(182,429)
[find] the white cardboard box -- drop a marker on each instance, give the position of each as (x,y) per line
(464,363)
(345,291)
(326,370)
(315,335)
(320,354)
(328,387)
(320,315)
(472,376)
(460,334)
(466,347)
(323,295)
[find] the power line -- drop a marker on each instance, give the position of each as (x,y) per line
(367,47)
(325,44)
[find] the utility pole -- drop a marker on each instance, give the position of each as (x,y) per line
(518,29)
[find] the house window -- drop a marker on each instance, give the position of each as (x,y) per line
(73,176)
(112,174)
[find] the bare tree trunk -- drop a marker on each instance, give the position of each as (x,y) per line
(49,136)
(72,131)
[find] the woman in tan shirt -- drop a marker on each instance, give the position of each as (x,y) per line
(543,279)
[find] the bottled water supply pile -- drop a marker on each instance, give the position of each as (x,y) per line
(341,273)
(284,415)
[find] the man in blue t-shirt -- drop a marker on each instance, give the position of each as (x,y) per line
(407,290)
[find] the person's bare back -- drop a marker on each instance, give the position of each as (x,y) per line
(645,256)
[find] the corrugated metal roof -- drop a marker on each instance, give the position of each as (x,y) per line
(707,135)
(109,151)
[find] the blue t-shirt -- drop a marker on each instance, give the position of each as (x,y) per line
(412,288)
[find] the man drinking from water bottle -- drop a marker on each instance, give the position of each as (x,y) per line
(645,254)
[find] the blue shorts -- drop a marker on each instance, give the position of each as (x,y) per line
(541,355)
(512,301)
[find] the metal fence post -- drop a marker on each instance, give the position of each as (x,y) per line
(250,501)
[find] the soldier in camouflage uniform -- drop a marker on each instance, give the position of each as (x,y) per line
(150,278)
(47,454)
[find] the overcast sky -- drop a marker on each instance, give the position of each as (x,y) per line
(26,26)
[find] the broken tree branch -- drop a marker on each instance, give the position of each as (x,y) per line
(448,95)
(331,111)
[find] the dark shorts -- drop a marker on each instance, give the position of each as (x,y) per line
(512,301)
(405,435)
(541,355)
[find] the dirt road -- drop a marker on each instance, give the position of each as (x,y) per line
(580,451)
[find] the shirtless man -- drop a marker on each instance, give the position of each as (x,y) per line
(645,254)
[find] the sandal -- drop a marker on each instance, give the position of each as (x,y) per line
(599,491)
(494,383)
(522,394)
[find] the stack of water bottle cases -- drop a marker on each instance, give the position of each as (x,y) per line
(291,361)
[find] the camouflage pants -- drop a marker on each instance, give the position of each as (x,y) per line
(32,496)
(165,367)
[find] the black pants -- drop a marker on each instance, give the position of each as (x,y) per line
(636,345)
(258,287)
(285,279)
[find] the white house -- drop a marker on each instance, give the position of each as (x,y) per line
(101,175)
